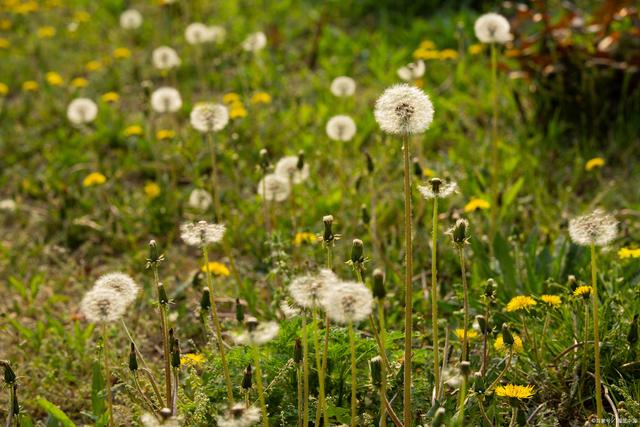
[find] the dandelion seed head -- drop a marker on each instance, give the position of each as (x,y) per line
(120,283)
(309,290)
(341,128)
(82,110)
(239,415)
(255,42)
(412,71)
(258,333)
(438,188)
(200,199)
(598,228)
(130,19)
(493,28)
(287,168)
(403,109)
(165,58)
(166,100)
(201,233)
(197,33)
(209,117)
(274,188)
(343,86)
(103,305)
(348,302)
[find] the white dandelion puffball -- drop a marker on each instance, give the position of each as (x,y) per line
(412,71)
(218,33)
(598,228)
(209,117)
(201,233)
(166,100)
(165,58)
(120,283)
(130,19)
(274,188)
(287,168)
(198,33)
(259,334)
(309,290)
(239,415)
(438,188)
(200,199)
(255,42)
(102,305)
(341,128)
(348,302)
(404,109)
(493,28)
(82,110)
(149,420)
(343,86)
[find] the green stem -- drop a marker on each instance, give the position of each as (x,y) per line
(305,362)
(215,191)
(547,320)
(216,323)
(299,381)
(167,360)
(154,385)
(352,344)
(12,404)
(494,144)
(383,368)
(263,404)
(434,297)
(483,368)
(596,333)
(107,373)
(506,366)
(461,400)
(321,410)
(145,399)
(514,415)
(408,288)
(465,337)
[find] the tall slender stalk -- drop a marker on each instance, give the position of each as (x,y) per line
(299,381)
(383,367)
(305,374)
(12,405)
(107,373)
(321,410)
(434,297)
(494,144)
(465,337)
(215,190)
(352,345)
(596,333)
(216,323)
(408,288)
(263,404)
(165,336)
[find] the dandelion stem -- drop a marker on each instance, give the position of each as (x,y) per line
(514,415)
(506,366)
(352,345)
(321,410)
(265,206)
(216,323)
(174,403)
(494,144)
(461,400)
(215,191)
(408,308)
(485,336)
(299,380)
(483,412)
(126,330)
(107,373)
(12,405)
(383,368)
(154,385)
(305,362)
(145,399)
(434,297)
(263,404)
(465,337)
(165,341)
(596,333)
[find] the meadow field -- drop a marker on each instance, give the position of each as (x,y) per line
(319,213)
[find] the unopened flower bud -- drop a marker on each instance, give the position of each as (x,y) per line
(133,358)
(378,288)
(153,251)
(572,282)
(247,378)
(435,185)
(370,167)
(375,366)
(357,252)
(205,300)
(483,324)
(366,218)
(417,169)
(459,232)
(297,352)
(239,311)
(251,323)
(162,295)
(438,418)
(465,368)
(300,164)
(507,338)
(490,289)
(9,375)
(175,354)
(632,337)
(328,232)
(264,159)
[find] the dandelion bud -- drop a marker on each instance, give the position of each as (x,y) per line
(171,339)
(251,323)
(357,252)
(205,301)
(16,405)
(572,282)
(438,418)
(239,311)
(165,413)
(507,338)
(153,252)
(9,375)
(366,218)
(435,184)
(300,164)
(375,366)
(370,167)
(459,232)
(483,323)
(328,223)
(490,289)
(297,351)
(632,338)
(417,169)
(247,377)
(264,159)
(133,358)
(162,295)
(465,368)
(175,354)
(379,290)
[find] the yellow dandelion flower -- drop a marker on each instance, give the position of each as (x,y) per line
(4,89)
(110,97)
(475,204)
(471,333)
(5,24)
(121,53)
(46,32)
(30,86)
(230,98)
(54,79)
(515,391)
(582,291)
(624,253)
(512,53)
(133,130)
(81,16)
(499,345)
(448,54)
(427,45)
(79,82)
(4,43)
(192,359)
(237,111)
(94,178)
(475,49)
(596,162)
(552,300)
(428,173)
(93,65)
(304,237)
(152,190)
(163,134)
(26,8)
(426,54)
(216,268)
(520,302)
(418,83)
(261,98)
